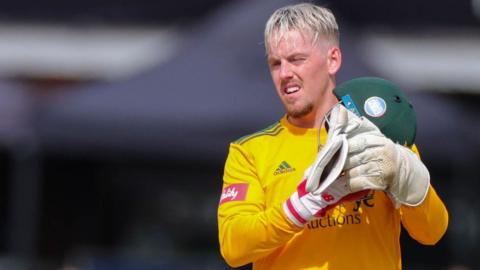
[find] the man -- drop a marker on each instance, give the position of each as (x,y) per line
(271,218)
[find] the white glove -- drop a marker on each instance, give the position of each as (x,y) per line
(320,189)
(376,162)
(412,181)
(368,160)
(351,130)
(302,206)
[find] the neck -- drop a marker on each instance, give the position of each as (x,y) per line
(315,117)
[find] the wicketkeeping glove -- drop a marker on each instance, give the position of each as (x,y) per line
(368,160)
(375,162)
(321,188)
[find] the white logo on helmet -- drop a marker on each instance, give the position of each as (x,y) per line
(375,106)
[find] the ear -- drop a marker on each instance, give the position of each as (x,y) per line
(334,60)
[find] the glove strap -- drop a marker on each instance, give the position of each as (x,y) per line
(295,209)
(292,213)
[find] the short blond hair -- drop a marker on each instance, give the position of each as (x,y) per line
(319,21)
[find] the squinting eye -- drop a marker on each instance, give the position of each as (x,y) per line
(274,64)
(298,60)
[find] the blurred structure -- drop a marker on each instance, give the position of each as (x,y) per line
(115,120)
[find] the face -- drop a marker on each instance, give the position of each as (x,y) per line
(303,73)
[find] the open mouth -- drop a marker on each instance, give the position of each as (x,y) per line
(292,89)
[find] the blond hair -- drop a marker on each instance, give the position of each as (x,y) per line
(319,21)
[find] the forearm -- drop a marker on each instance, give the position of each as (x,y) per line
(428,221)
(247,237)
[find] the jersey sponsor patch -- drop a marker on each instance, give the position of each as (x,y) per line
(234,192)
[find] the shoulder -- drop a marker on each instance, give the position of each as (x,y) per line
(414,148)
(271,131)
(249,149)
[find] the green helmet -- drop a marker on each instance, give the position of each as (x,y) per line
(383,103)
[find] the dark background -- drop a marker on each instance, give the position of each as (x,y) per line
(125,173)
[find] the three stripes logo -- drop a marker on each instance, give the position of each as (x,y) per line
(284,167)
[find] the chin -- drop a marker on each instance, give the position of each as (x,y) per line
(300,112)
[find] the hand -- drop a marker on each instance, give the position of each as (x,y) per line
(321,189)
(375,162)
(388,166)
(302,205)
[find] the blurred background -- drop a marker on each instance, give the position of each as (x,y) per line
(116,116)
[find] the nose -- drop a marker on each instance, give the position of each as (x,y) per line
(285,70)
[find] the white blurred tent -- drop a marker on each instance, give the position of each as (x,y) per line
(216,89)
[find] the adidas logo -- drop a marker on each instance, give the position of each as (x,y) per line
(284,167)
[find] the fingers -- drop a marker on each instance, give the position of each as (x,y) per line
(341,120)
(374,167)
(342,116)
(362,125)
(362,158)
(369,169)
(374,182)
(359,144)
(365,176)
(338,119)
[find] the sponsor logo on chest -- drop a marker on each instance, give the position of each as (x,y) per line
(284,167)
(339,216)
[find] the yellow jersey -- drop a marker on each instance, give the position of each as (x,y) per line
(263,169)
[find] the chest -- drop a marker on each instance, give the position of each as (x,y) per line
(283,167)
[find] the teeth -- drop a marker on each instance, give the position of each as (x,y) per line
(292,89)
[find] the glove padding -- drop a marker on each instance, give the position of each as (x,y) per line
(375,162)
(343,146)
(302,206)
(321,189)
(368,160)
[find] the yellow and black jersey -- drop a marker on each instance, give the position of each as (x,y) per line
(263,169)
